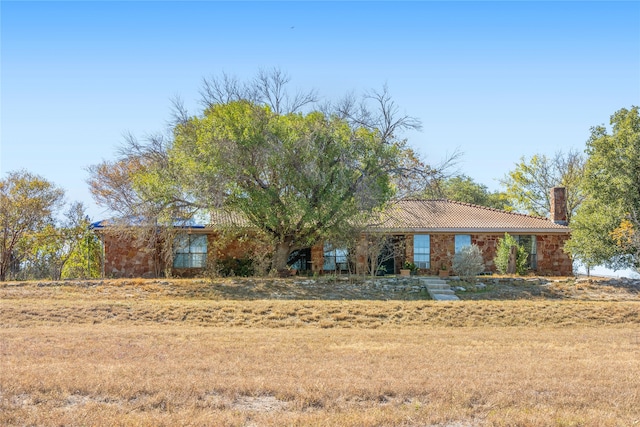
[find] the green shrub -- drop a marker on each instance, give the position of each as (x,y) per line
(235,267)
(502,255)
(410,266)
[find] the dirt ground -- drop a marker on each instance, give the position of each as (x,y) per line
(330,288)
(343,351)
(554,288)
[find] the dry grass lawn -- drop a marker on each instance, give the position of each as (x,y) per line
(75,356)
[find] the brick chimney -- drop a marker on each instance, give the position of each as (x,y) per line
(559,205)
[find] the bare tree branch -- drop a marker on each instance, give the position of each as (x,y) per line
(224,89)
(179,113)
(377,110)
(269,87)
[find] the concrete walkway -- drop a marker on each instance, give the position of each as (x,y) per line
(439,289)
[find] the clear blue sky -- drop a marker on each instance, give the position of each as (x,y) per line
(498,80)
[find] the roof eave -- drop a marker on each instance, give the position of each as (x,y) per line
(475,230)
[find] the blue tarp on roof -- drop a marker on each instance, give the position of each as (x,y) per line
(180,224)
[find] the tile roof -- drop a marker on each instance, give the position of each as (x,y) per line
(450,216)
(433,216)
(223,218)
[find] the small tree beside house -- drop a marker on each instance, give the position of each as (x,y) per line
(503,255)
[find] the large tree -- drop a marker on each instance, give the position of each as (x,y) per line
(606,229)
(27,204)
(297,178)
(298,175)
(592,242)
(528,186)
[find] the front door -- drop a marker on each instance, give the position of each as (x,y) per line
(392,254)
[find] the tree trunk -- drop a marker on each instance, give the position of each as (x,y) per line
(56,273)
(513,254)
(5,265)
(281,255)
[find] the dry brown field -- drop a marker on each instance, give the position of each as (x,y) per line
(152,353)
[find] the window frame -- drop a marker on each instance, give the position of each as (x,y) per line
(303,262)
(335,258)
(458,247)
(422,258)
(532,250)
(193,254)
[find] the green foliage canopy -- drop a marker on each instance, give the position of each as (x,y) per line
(27,204)
(298,178)
(591,240)
(606,229)
(528,186)
(48,250)
(462,188)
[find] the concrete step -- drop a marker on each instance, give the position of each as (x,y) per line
(437,286)
(444,297)
(439,289)
(433,280)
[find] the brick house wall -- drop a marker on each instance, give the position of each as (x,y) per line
(317,258)
(240,247)
(488,244)
(129,257)
(442,251)
(551,258)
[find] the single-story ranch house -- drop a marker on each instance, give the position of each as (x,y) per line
(428,233)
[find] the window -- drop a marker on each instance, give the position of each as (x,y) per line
(300,260)
(422,250)
(335,259)
(462,240)
(190,251)
(530,245)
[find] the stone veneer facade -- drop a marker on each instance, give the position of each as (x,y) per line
(551,258)
(129,257)
(551,255)
(126,257)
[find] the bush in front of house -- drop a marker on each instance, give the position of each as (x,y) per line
(235,267)
(468,262)
(502,255)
